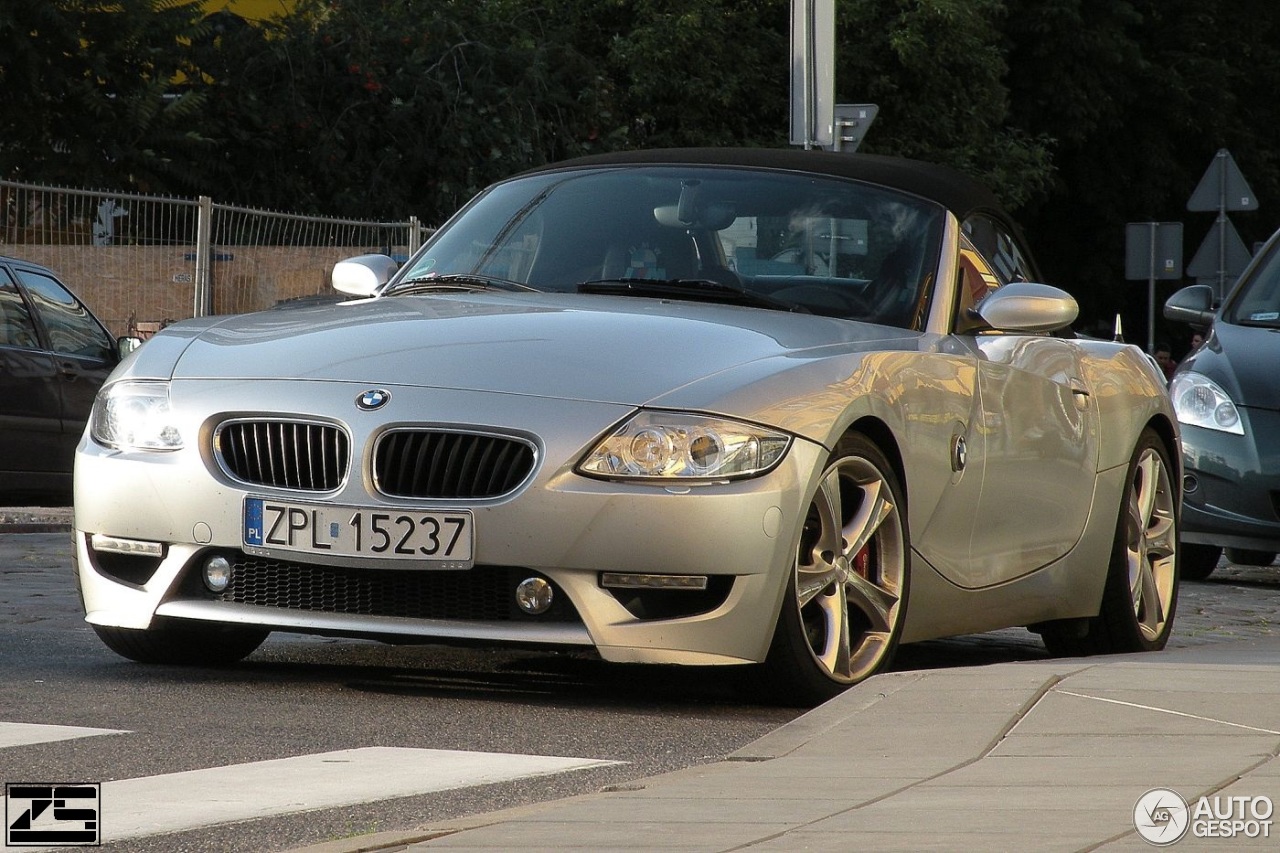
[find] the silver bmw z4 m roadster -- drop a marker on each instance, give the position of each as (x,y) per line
(774,409)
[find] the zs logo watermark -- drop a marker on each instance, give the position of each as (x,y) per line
(40,815)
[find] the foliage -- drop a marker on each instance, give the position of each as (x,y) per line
(937,70)
(380,108)
(1082,114)
(1139,95)
(86,92)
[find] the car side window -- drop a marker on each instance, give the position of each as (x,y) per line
(974,280)
(999,247)
(72,329)
(17,329)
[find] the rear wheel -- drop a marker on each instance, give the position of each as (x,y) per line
(191,643)
(843,608)
(1198,561)
(1141,591)
(1247,557)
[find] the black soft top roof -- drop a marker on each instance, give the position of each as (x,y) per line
(953,190)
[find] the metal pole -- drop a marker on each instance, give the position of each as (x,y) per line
(810,75)
(1151,292)
(1221,159)
(204,256)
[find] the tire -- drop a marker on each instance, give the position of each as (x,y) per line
(846,597)
(190,643)
(1246,557)
(1197,562)
(1141,590)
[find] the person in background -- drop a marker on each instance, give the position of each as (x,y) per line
(1164,358)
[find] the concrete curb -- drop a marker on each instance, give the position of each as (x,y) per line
(35,520)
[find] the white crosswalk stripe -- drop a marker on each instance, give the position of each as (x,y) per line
(27,734)
(175,802)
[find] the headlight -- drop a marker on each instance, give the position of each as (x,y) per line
(671,446)
(135,416)
(1198,401)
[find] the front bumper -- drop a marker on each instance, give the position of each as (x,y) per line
(1231,484)
(560,526)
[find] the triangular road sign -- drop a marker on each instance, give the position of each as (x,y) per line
(1205,263)
(1223,187)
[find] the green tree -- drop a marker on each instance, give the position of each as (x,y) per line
(86,93)
(1138,97)
(937,70)
(692,74)
(380,108)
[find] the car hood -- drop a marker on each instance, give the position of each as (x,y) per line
(598,348)
(1242,359)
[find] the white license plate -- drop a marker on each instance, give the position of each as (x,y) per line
(443,539)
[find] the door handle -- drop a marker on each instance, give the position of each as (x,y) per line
(1080,394)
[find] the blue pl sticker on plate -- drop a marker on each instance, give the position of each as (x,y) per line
(253,521)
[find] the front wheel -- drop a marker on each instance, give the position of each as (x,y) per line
(191,643)
(1141,591)
(845,600)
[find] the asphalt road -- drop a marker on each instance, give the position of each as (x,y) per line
(299,697)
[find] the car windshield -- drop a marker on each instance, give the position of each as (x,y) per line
(1258,301)
(779,240)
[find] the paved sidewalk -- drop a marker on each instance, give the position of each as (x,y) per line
(1029,756)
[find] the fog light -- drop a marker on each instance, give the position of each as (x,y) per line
(217,574)
(1190,484)
(534,595)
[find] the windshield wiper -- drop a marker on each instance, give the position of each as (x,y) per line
(457,282)
(691,289)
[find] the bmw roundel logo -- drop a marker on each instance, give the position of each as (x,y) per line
(374,398)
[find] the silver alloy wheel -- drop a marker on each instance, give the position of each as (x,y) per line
(1151,543)
(850,570)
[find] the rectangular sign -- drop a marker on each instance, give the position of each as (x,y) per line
(1143,260)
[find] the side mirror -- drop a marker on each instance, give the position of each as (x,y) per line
(363,274)
(1026,307)
(127,344)
(1192,305)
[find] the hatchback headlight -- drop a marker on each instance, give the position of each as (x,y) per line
(131,415)
(677,446)
(1199,401)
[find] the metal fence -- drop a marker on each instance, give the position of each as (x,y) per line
(142,261)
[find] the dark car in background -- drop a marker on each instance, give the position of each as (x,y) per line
(1227,397)
(54,355)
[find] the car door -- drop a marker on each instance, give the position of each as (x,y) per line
(1033,437)
(80,348)
(30,394)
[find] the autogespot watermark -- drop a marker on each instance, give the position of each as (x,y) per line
(1163,817)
